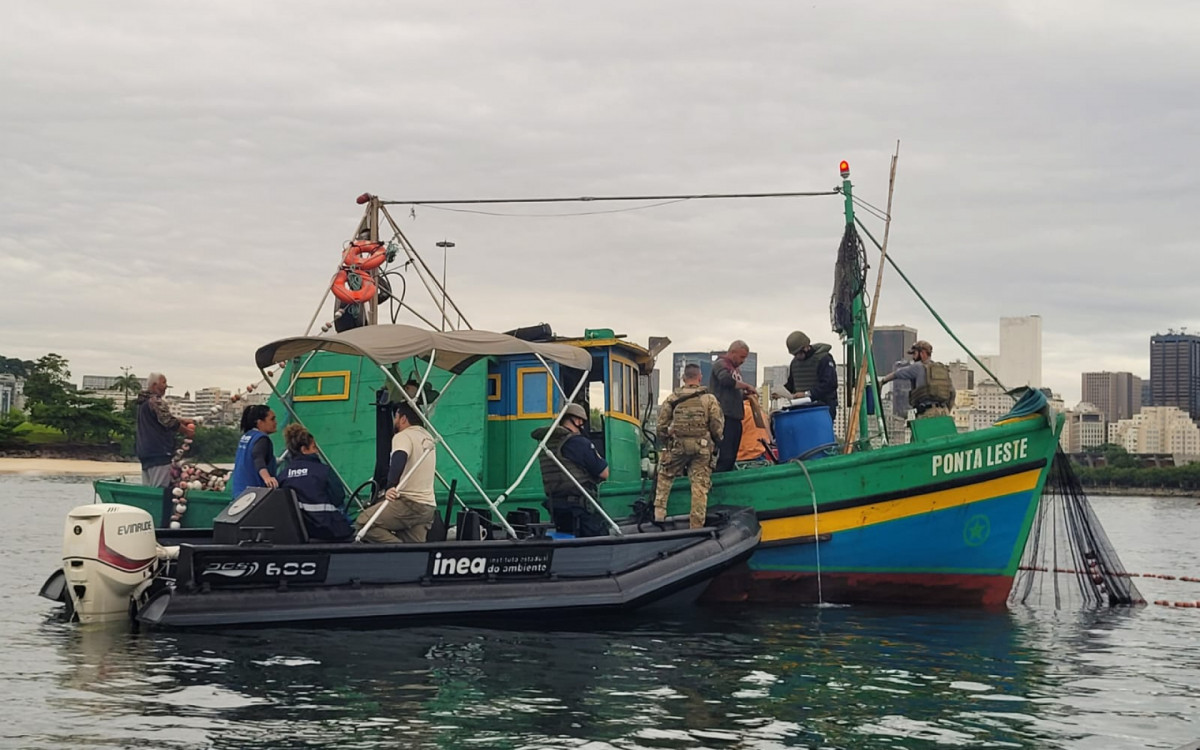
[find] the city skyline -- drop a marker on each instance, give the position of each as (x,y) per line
(180,382)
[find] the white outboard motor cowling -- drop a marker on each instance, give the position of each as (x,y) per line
(108,550)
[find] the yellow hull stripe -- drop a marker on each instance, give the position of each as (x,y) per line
(867,515)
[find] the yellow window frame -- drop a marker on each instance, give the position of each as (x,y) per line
(320,377)
(493,388)
(520,410)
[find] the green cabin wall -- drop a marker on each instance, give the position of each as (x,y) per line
(345,427)
(478,416)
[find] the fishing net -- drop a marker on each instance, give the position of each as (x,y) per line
(1068,561)
(849,279)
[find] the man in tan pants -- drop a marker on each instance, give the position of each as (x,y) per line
(409,504)
(690,425)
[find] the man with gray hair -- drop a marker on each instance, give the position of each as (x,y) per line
(727,385)
(154,441)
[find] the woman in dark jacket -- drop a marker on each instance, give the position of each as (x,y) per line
(320,494)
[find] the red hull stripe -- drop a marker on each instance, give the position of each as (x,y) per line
(917,589)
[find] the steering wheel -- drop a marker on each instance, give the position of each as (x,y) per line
(354,495)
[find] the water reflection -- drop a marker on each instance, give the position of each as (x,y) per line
(807,677)
(798,678)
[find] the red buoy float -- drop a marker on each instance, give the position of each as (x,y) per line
(341,287)
(364,254)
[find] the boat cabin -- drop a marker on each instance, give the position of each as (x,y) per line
(488,414)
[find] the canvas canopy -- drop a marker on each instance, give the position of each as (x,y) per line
(454,351)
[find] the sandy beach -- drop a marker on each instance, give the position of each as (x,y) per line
(68,466)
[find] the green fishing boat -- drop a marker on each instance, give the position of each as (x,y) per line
(941,519)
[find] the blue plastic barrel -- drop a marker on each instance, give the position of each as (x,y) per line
(801,429)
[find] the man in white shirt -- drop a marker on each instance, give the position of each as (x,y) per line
(409,505)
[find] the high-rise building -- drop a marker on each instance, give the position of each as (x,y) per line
(776,375)
(890,344)
(1175,371)
(1116,395)
(104,382)
(889,347)
(1157,429)
(1021,351)
(961,375)
(1085,427)
(749,368)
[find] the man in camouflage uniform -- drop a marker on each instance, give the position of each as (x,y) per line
(690,424)
(932,393)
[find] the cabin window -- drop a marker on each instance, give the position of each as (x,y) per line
(623,390)
(493,387)
(616,400)
(322,386)
(535,394)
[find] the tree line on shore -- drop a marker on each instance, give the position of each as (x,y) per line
(1124,470)
(60,417)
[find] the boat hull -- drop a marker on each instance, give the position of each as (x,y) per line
(941,522)
(214,585)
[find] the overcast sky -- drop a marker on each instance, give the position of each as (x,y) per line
(178,178)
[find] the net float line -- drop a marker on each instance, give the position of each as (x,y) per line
(1118,574)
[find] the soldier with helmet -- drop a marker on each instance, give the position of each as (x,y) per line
(932,394)
(690,424)
(812,372)
(582,466)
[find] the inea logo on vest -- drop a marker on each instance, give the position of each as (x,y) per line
(293,473)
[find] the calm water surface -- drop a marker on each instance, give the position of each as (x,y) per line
(797,678)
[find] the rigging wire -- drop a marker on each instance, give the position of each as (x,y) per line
(933,312)
(541,216)
(602,198)
(876,212)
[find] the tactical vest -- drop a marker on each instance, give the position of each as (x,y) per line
(937,388)
(804,371)
(557,482)
(689,417)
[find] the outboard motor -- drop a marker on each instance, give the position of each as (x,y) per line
(108,551)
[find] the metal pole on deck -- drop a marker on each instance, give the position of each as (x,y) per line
(445,245)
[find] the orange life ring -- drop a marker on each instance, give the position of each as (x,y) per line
(341,288)
(365,255)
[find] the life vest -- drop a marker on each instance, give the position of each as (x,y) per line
(937,388)
(804,370)
(244,474)
(689,412)
(753,436)
(556,482)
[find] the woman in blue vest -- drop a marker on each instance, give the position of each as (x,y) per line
(318,490)
(254,465)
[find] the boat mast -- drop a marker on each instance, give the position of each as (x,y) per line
(858,347)
(858,312)
(368,229)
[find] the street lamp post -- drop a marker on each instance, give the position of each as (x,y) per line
(445,245)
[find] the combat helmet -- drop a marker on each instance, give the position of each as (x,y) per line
(796,341)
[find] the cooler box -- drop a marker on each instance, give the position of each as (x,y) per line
(799,430)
